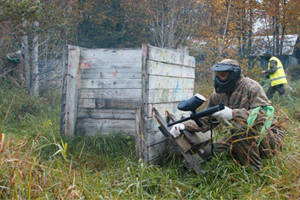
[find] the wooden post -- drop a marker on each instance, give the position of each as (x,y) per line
(182,144)
(140,140)
(141,144)
(72,78)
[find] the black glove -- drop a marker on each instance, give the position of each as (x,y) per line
(267,76)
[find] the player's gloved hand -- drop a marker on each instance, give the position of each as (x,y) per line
(177,129)
(225,114)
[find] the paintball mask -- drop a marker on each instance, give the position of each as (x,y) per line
(227,65)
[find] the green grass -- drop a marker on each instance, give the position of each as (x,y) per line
(38,163)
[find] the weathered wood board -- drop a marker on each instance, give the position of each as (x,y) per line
(110,83)
(108,90)
(110,73)
(171,56)
(181,143)
(89,126)
(105,58)
(115,90)
(117,93)
(70,92)
(111,80)
(169,70)
(177,83)
(169,95)
(121,114)
(168,78)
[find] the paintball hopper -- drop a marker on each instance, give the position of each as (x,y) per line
(192,103)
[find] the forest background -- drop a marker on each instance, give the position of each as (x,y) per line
(36,159)
(212,29)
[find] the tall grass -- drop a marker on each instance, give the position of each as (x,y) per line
(37,163)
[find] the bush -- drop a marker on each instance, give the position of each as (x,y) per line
(293,72)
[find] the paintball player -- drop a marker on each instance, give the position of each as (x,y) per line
(276,74)
(248,113)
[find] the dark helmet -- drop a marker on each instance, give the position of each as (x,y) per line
(227,65)
(268,54)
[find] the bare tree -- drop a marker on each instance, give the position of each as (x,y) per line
(34,90)
(41,29)
(274,13)
(221,47)
(25,50)
(171,21)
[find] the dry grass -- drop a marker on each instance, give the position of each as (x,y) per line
(36,163)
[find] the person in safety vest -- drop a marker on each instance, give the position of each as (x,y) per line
(247,118)
(276,74)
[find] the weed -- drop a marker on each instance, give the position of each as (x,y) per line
(37,163)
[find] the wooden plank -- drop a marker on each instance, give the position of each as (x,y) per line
(63,100)
(113,103)
(172,56)
(106,113)
(86,103)
(140,144)
(111,73)
(142,135)
(155,137)
(167,78)
(127,65)
(110,83)
(112,68)
(134,94)
(105,126)
(164,69)
(192,159)
(155,152)
(162,107)
(106,57)
(72,82)
(152,125)
(109,103)
(169,95)
(170,82)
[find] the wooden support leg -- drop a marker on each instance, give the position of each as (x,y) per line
(185,147)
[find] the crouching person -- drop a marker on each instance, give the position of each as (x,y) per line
(248,114)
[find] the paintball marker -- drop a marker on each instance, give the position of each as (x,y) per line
(192,104)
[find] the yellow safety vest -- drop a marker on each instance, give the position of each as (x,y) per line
(278,77)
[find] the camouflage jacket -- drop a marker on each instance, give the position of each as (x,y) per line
(247,95)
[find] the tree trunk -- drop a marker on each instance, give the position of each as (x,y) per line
(250,27)
(25,50)
(277,14)
(283,24)
(171,28)
(225,29)
(162,30)
(35,59)
(274,34)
